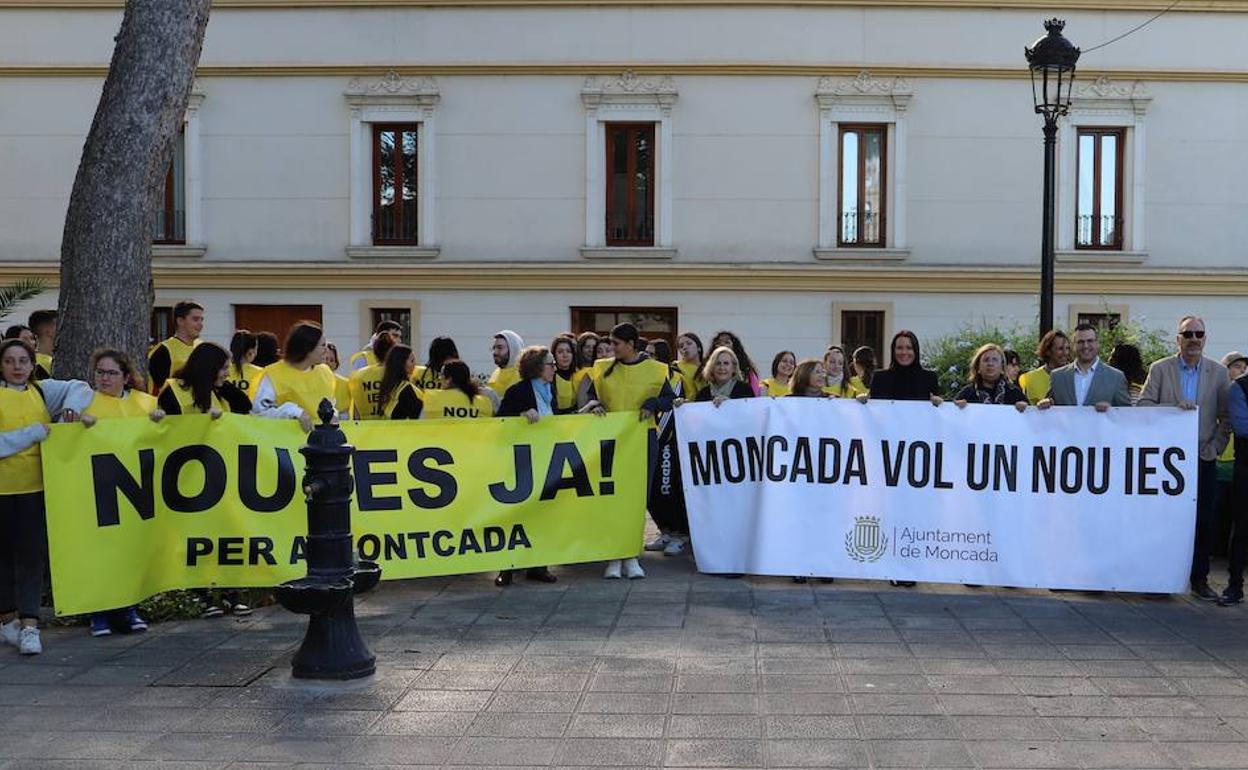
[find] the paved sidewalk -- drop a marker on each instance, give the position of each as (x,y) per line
(679,670)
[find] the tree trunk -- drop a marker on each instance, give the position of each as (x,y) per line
(106,249)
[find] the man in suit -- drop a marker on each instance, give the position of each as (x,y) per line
(1088,381)
(1189,380)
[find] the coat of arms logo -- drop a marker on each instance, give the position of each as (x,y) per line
(866,542)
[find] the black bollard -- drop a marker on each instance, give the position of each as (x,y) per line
(332,647)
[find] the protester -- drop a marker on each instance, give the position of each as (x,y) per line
(1126,358)
(243,349)
(506,352)
(26,410)
(587,346)
(809,379)
(364,383)
(113,377)
(20,332)
(723,376)
(168,356)
(368,356)
(781,370)
(268,349)
(1236,364)
(532,398)
(1237,413)
(1188,380)
(987,383)
(864,368)
(629,382)
(1013,365)
(397,398)
(689,355)
(1052,352)
(605,349)
(563,350)
(43,324)
(441,350)
(838,383)
(202,386)
(458,397)
(294,387)
(749,372)
(1088,381)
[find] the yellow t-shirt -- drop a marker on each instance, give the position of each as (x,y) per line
(246,379)
(43,362)
(364,387)
(342,393)
(454,404)
(306,388)
(777,387)
(21,473)
(502,379)
(853,389)
(186,398)
(565,393)
(133,403)
(424,379)
(367,355)
(629,385)
(179,351)
(1035,384)
(690,378)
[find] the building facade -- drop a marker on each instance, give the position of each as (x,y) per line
(801,173)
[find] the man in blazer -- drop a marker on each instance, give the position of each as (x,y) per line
(1089,381)
(1189,380)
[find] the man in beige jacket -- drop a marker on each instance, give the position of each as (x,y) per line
(1189,380)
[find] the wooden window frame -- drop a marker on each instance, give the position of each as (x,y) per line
(169,233)
(1119,177)
(860,128)
(674,312)
(609,143)
(399,129)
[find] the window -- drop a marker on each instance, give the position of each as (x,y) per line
(169,227)
(630,184)
(394,184)
(651,322)
(1104,322)
(276,319)
(1098,210)
(862,327)
(400,315)
(161,327)
(862,186)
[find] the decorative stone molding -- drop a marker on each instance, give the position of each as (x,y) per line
(1103,93)
(863,89)
(627,98)
(627,252)
(386,253)
(1098,258)
(178,251)
(392,98)
(862,256)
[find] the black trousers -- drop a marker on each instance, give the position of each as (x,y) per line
(1239,526)
(1206,500)
(23,553)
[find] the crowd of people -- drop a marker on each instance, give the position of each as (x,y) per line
(587,373)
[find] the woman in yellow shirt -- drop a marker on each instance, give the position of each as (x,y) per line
(441,350)
(460,397)
(243,348)
(397,397)
(840,384)
(294,387)
(26,410)
(202,386)
(782,367)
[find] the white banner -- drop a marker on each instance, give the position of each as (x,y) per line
(1066,498)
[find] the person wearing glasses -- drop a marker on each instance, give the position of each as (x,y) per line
(117,394)
(1188,380)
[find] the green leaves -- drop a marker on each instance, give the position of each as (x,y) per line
(14,294)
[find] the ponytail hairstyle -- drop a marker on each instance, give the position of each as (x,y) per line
(865,358)
(626,332)
(199,374)
(441,350)
(461,378)
(242,343)
(302,340)
(394,372)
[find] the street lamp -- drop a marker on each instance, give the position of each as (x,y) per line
(1052,61)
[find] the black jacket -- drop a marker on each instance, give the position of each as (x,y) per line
(518,399)
(911,383)
(739,390)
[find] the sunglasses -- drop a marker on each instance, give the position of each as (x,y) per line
(1199,334)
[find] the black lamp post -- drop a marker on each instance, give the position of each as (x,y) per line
(1052,60)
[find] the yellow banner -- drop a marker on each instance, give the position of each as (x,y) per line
(136,507)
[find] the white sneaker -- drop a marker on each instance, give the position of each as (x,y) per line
(9,632)
(659,543)
(676,547)
(633,570)
(28,641)
(613,570)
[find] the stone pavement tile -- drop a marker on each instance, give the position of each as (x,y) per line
(495,752)
(23,673)
(709,648)
(535,702)
(459,680)
(1224,705)
(1027,667)
(236,720)
(1077,706)
(466,661)
(717,666)
(1138,685)
(714,703)
(807,634)
(78,744)
(804,703)
(427,723)
(794,650)
(501,724)
(887,683)
(806,726)
(443,700)
(1096,728)
(1096,652)
(1204,754)
(1181,706)
(121,675)
(1191,728)
(19,719)
(802,683)
(717,752)
(545,682)
(959,667)
(870,650)
(879,727)
(893,703)
(221,747)
(291,750)
(325,723)
(1186,652)
(632,683)
(148,719)
(552,663)
(1212,686)
(624,703)
(1011,651)
(1105,754)
(1020,754)
(622,664)
(714,726)
(1004,728)
(972,685)
(597,752)
(889,666)
(716,683)
(804,666)
(1188,668)
(920,753)
(1056,685)
(564,647)
(1114,668)
(816,752)
(986,705)
(616,726)
(393,750)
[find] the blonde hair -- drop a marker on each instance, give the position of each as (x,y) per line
(709,365)
(973,375)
